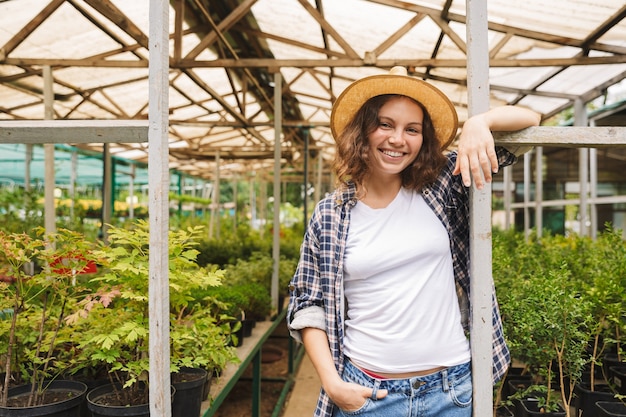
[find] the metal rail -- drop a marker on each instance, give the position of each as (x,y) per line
(250,354)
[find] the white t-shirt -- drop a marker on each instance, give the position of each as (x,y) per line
(402,308)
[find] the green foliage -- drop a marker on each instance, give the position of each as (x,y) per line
(35,305)
(604,283)
(20,210)
(559,296)
(232,247)
(246,259)
(245,242)
(114,322)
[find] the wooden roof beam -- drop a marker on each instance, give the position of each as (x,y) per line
(73,131)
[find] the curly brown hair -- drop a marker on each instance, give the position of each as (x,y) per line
(351,161)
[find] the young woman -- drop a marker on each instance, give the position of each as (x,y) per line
(380,295)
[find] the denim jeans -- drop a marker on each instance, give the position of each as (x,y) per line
(447,393)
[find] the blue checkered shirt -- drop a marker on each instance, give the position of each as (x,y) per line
(317,286)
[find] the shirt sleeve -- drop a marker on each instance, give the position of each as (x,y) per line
(309,317)
(506,157)
(519,150)
(306,301)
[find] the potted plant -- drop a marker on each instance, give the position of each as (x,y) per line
(40,287)
(611,408)
(115,331)
(547,320)
(601,271)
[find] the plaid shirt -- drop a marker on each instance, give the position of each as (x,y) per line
(317,286)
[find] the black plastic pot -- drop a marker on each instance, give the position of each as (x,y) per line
(586,399)
(69,407)
(206,390)
(513,386)
(99,409)
(611,409)
(617,376)
(247,325)
(504,411)
(189,393)
(609,360)
(531,409)
(515,382)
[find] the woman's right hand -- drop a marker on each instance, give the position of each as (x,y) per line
(350,396)
(346,395)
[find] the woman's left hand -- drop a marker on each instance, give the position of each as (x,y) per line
(476,157)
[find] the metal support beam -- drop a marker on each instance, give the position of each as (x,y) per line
(580,119)
(158,170)
(593,182)
(73,131)
(527,157)
(107,191)
(480,219)
(539,190)
(278,118)
(565,136)
(49,181)
(508,195)
(216,195)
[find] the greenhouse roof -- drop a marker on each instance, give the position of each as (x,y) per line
(224,53)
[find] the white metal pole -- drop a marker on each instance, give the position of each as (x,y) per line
(107,190)
(131,193)
(318,182)
(539,190)
(216,194)
(278,121)
(158,170)
(593,179)
(73,176)
(508,195)
(480,218)
(27,164)
(527,156)
(580,119)
(49,181)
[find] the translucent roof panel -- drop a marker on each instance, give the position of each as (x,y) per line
(224,55)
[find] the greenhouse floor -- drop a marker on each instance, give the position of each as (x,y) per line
(303,396)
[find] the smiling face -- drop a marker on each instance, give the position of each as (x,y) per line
(397,139)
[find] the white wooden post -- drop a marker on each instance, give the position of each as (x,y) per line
(107,190)
(49,181)
(527,183)
(480,218)
(593,192)
(158,170)
(278,122)
(539,190)
(507,175)
(73,176)
(216,195)
(580,119)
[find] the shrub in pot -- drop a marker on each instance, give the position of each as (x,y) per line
(547,318)
(115,331)
(611,409)
(36,305)
(603,281)
(258,270)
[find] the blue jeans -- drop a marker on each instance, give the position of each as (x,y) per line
(447,393)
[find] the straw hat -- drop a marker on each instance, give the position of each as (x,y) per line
(439,107)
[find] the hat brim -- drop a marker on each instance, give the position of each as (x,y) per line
(439,107)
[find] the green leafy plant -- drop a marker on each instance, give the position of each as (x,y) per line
(604,283)
(21,210)
(547,317)
(40,288)
(115,324)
